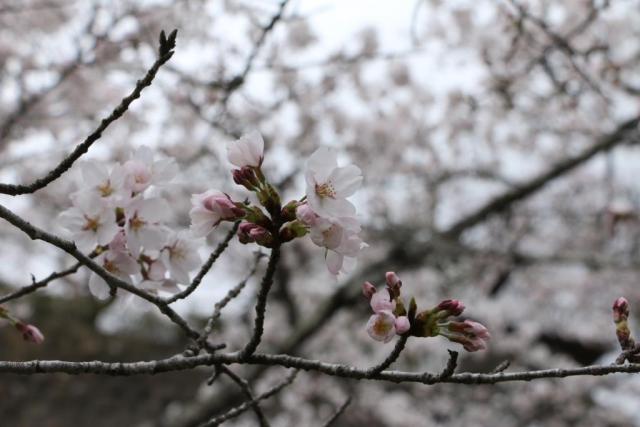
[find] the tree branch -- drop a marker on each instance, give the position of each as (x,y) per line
(165,53)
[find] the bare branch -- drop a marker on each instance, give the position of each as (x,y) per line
(392,357)
(234,412)
(338,412)
(261,304)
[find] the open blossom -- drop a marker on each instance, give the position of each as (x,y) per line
(90,221)
(384,325)
(209,209)
(328,185)
(342,242)
(246,151)
(142,224)
(180,256)
(142,171)
(107,184)
(117,261)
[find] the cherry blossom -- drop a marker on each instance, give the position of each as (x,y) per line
(246,151)
(328,185)
(383,325)
(106,184)
(340,238)
(180,257)
(90,221)
(142,171)
(117,261)
(142,224)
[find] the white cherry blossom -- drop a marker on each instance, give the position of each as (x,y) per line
(180,256)
(90,221)
(246,151)
(328,185)
(107,184)
(142,224)
(117,261)
(142,171)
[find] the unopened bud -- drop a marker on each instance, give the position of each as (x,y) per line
(393,281)
(368,290)
(620,309)
(452,307)
(30,333)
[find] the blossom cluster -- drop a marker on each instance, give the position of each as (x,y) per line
(119,215)
(391,317)
(324,212)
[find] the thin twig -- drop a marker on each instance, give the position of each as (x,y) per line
(234,412)
(338,412)
(261,304)
(246,390)
(217,308)
(165,53)
(206,266)
(392,357)
(40,284)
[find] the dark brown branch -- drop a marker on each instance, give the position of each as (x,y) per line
(40,284)
(166,52)
(217,308)
(392,357)
(338,412)
(261,304)
(520,192)
(206,266)
(234,412)
(179,363)
(246,390)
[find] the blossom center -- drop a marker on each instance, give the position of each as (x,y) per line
(136,223)
(381,327)
(106,189)
(325,190)
(92,223)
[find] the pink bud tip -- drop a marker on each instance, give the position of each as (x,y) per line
(402,325)
(393,280)
(368,290)
(620,309)
(30,333)
(452,306)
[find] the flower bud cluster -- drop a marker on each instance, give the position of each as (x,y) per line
(391,318)
(324,213)
(119,215)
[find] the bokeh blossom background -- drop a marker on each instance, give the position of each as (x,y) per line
(498,146)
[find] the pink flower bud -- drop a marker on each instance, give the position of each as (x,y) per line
(381,301)
(393,281)
(30,333)
(402,325)
(368,290)
(381,326)
(223,205)
(250,232)
(620,309)
(452,307)
(472,335)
